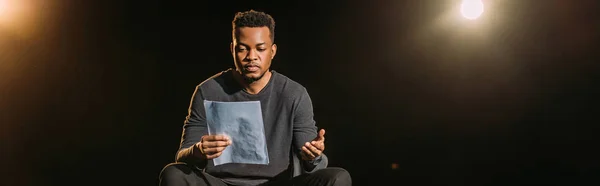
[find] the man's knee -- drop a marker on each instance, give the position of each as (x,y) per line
(173,172)
(341,176)
(337,176)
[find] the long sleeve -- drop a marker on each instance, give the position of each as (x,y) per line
(305,129)
(193,129)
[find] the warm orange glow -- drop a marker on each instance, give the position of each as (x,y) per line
(5,12)
(20,17)
(2,7)
(394,166)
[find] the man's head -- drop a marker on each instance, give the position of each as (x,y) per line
(253,45)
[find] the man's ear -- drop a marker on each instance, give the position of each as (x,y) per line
(274,49)
(231,48)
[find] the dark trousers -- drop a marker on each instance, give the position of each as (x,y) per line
(181,174)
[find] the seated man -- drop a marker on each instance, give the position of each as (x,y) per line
(295,149)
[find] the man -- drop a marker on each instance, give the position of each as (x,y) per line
(289,128)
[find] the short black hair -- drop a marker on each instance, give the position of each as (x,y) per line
(252,18)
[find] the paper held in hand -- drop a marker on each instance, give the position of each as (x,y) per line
(243,123)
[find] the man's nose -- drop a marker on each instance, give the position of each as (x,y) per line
(252,55)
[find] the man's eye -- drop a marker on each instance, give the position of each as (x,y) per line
(241,49)
(262,49)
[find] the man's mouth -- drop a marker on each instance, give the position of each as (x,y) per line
(251,68)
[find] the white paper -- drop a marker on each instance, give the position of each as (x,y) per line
(243,123)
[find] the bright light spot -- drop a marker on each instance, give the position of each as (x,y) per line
(2,7)
(471,9)
(20,17)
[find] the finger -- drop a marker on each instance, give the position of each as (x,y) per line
(304,156)
(213,156)
(308,153)
(211,144)
(213,150)
(218,137)
(319,144)
(199,147)
(313,149)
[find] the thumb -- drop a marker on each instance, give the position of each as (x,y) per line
(321,134)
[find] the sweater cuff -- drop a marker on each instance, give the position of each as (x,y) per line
(310,165)
(191,156)
(315,161)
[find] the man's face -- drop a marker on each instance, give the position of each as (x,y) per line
(253,51)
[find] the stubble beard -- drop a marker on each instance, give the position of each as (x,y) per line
(251,80)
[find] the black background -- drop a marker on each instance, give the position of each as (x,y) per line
(95,93)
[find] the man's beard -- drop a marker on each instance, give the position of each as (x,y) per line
(250,80)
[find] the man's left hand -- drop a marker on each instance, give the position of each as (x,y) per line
(312,150)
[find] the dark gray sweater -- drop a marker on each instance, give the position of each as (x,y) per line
(288,120)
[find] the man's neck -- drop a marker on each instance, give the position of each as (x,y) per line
(256,86)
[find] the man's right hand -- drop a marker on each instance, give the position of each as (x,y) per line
(211,146)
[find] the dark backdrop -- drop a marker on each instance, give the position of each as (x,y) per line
(96,93)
